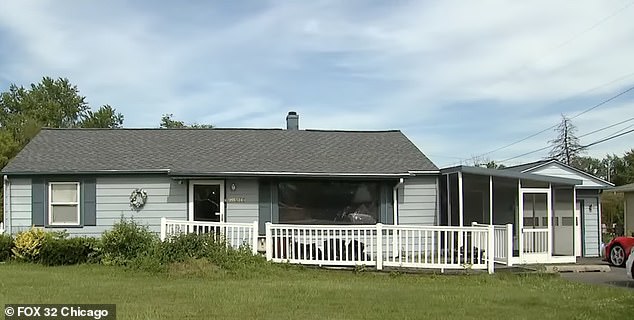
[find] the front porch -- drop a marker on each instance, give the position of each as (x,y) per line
(534,216)
(378,245)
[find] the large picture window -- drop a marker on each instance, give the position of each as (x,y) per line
(63,206)
(328,202)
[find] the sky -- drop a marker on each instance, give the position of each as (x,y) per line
(459,78)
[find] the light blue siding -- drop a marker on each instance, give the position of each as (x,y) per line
(555,170)
(166,198)
(242,212)
(590,210)
(20,205)
(418,201)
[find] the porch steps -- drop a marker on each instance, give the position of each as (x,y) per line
(577,268)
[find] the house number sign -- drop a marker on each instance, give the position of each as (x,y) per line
(236,200)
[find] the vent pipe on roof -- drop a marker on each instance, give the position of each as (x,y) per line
(292,121)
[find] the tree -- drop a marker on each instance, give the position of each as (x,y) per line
(485,162)
(168,123)
(54,103)
(621,169)
(104,117)
(565,147)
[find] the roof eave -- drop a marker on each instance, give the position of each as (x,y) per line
(510,175)
(375,175)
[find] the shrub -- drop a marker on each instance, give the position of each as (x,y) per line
(64,251)
(187,246)
(6,244)
(27,244)
(126,241)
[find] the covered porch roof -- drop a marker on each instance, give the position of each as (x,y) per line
(510,174)
(624,188)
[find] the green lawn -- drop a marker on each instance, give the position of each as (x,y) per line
(313,294)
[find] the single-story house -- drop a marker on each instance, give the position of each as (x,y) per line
(628,207)
(85,180)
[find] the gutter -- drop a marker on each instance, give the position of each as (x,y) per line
(395,195)
(7,205)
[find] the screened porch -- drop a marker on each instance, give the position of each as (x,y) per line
(538,210)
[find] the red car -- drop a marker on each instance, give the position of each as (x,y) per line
(617,251)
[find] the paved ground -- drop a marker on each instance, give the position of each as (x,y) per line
(616,276)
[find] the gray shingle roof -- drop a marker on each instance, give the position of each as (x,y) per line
(209,151)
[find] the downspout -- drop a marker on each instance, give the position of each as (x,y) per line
(395,196)
(7,205)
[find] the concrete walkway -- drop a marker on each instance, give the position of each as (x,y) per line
(616,277)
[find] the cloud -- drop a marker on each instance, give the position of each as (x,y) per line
(460,78)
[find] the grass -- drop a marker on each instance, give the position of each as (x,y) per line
(201,292)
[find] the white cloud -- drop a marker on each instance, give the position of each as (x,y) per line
(460,78)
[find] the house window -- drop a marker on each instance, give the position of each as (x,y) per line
(328,202)
(63,208)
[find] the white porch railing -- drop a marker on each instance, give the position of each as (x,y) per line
(502,242)
(535,241)
(322,245)
(1,228)
(442,247)
(235,234)
(436,247)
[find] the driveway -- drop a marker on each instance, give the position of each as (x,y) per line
(616,277)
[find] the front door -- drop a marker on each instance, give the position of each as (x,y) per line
(535,215)
(206,201)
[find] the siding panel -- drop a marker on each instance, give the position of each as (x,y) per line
(590,218)
(20,205)
(247,211)
(417,201)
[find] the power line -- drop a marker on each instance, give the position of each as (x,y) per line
(567,41)
(610,137)
(555,125)
(604,102)
(605,128)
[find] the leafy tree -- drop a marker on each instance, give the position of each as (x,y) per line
(52,103)
(168,123)
(566,146)
(621,169)
(104,117)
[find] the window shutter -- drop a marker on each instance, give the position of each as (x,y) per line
(265,206)
(89,202)
(38,202)
(387,207)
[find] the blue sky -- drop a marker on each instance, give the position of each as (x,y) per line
(460,78)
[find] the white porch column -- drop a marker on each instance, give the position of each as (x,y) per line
(491,200)
(460,200)
(549,201)
(448,201)
(520,219)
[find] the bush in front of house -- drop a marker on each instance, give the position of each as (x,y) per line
(27,244)
(126,242)
(182,247)
(57,251)
(197,250)
(6,244)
